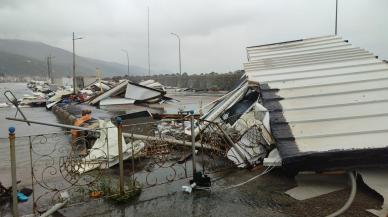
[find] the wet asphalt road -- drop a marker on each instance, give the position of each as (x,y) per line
(263,197)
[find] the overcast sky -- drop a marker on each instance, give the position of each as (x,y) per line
(214,33)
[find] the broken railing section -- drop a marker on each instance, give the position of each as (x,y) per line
(243,122)
(66,171)
(80,165)
(69,167)
(237,128)
(246,144)
(77,162)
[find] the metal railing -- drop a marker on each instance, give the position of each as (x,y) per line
(71,167)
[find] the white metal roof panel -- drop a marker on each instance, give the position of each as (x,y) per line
(293,44)
(335,112)
(327,80)
(310,56)
(328,101)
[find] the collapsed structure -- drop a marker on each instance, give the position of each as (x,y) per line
(240,111)
(105,93)
(313,104)
(327,102)
(320,102)
(317,104)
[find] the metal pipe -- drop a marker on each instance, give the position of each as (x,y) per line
(135,136)
(352,195)
(171,141)
(11,137)
(54,208)
(51,124)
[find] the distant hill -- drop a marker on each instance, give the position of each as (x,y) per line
(27,58)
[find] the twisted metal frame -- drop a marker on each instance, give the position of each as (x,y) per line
(59,165)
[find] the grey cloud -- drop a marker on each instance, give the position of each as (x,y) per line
(214,32)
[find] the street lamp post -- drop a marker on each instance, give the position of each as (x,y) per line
(180,57)
(74,80)
(336,17)
(50,69)
(126,52)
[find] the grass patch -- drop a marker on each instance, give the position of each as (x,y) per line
(111,191)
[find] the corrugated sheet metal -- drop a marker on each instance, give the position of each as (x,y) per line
(328,101)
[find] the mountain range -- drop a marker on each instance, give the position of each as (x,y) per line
(28,58)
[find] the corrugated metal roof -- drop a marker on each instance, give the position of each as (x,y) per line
(328,101)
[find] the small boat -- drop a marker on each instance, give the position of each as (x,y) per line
(4,105)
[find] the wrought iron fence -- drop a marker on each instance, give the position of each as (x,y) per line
(71,167)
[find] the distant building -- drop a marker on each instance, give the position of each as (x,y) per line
(64,81)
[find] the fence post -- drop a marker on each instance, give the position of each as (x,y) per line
(133,161)
(32,177)
(193,144)
(11,137)
(184,138)
(119,122)
(107,145)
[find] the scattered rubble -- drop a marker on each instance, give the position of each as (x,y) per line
(282,113)
(98,93)
(102,150)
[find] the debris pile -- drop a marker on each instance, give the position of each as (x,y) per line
(103,93)
(39,86)
(244,123)
(98,93)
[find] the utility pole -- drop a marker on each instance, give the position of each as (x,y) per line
(336,16)
(50,68)
(126,52)
(148,39)
(74,80)
(180,57)
(74,91)
(98,76)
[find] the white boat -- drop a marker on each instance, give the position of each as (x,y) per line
(3,105)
